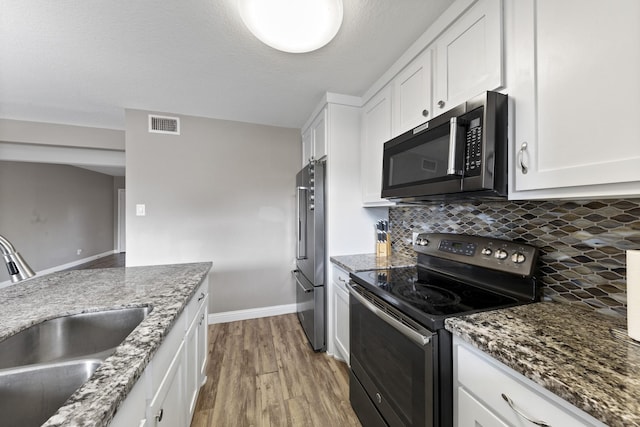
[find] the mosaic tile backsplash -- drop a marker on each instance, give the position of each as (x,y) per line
(582,243)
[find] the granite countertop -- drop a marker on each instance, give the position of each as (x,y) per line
(364,262)
(566,349)
(166,288)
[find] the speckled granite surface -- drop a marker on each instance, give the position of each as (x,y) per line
(166,288)
(363,262)
(568,350)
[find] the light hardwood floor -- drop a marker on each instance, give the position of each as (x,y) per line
(262,373)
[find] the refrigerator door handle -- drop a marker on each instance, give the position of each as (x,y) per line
(301,216)
(306,290)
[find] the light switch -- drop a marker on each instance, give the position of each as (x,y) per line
(140,210)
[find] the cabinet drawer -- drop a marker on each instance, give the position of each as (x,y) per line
(474,414)
(340,277)
(488,380)
(193,306)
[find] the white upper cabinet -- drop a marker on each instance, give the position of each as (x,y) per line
(307,146)
(319,128)
(576,93)
(314,139)
(412,96)
(469,56)
(376,130)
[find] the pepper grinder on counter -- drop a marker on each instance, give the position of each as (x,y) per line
(383,238)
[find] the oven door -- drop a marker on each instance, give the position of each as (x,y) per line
(394,364)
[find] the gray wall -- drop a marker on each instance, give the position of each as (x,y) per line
(222,191)
(50,211)
(26,132)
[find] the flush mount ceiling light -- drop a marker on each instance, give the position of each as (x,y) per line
(294,26)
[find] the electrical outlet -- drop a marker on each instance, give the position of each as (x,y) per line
(141,210)
(415,236)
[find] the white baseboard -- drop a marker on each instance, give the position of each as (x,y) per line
(252,313)
(63,266)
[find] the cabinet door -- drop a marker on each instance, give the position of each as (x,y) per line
(340,278)
(203,343)
(307,146)
(319,129)
(471,413)
(196,356)
(167,407)
(412,94)
(469,56)
(376,130)
(132,411)
(574,126)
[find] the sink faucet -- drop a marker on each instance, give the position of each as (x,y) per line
(17,266)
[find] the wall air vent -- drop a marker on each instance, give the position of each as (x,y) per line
(164,124)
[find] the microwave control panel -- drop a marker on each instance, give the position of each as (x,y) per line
(473,148)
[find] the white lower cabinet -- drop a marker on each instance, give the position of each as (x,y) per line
(474,413)
(341,313)
(132,412)
(168,405)
(166,393)
(196,355)
(482,386)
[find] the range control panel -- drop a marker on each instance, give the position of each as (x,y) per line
(487,252)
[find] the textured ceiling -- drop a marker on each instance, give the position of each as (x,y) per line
(84,61)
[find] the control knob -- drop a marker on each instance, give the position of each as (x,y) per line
(501,254)
(486,251)
(518,257)
(422,242)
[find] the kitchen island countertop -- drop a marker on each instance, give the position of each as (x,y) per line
(167,288)
(364,262)
(568,350)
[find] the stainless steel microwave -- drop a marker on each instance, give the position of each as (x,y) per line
(459,154)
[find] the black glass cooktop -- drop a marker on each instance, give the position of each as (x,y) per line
(432,297)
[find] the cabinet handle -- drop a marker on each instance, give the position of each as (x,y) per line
(523,167)
(425,113)
(512,406)
(160,414)
(201,297)
(201,319)
(340,279)
(441,104)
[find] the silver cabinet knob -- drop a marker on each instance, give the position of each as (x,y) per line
(425,113)
(441,104)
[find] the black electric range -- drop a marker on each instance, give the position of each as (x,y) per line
(397,316)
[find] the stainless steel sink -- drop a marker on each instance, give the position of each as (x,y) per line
(30,395)
(86,335)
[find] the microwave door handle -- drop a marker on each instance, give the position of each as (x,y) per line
(453,164)
(301,216)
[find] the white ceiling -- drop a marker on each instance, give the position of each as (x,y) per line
(83,62)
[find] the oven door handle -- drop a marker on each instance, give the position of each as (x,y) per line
(414,336)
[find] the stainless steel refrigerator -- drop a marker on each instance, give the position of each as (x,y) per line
(310,253)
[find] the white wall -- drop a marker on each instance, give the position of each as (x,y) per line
(50,211)
(221,191)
